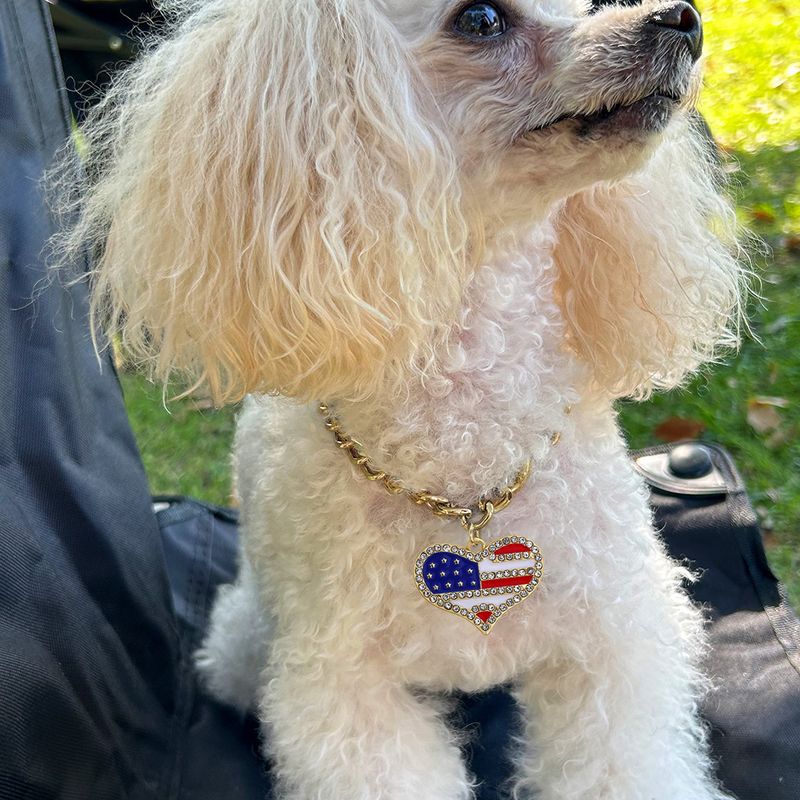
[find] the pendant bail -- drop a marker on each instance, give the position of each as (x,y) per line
(475,541)
(474,528)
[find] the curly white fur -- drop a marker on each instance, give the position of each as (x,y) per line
(346,199)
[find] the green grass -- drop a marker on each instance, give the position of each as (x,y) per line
(185,449)
(752,102)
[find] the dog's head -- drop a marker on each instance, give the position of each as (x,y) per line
(290,194)
(540,98)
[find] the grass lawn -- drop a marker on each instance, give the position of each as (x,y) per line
(750,405)
(185,448)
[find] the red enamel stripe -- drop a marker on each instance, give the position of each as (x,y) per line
(521,580)
(511,548)
(483,615)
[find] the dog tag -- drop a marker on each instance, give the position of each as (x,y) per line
(480,586)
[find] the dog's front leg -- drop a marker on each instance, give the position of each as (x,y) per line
(339,725)
(235,648)
(613,715)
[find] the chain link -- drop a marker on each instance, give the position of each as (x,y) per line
(440,506)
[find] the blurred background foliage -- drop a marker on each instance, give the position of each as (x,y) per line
(751,100)
(749,403)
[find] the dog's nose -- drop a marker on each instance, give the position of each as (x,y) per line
(682,18)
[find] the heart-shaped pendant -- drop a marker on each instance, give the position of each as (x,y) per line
(480,586)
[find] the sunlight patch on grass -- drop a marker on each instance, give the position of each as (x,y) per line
(751,96)
(751,99)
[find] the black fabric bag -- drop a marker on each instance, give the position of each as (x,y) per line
(95,39)
(89,651)
(102,602)
(754,661)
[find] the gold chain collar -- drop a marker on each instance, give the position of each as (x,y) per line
(440,506)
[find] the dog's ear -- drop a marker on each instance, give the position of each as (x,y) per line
(650,274)
(271,206)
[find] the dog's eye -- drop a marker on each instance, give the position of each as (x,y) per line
(480,20)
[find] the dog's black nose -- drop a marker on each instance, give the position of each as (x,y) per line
(683,19)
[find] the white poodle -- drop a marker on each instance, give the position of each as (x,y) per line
(468,228)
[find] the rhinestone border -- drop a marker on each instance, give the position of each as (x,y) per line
(442,601)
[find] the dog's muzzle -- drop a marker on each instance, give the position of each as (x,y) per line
(680,19)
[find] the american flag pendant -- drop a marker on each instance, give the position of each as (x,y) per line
(480,586)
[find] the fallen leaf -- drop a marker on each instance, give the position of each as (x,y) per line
(675,428)
(769,539)
(763,214)
(792,244)
(762,415)
(765,400)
